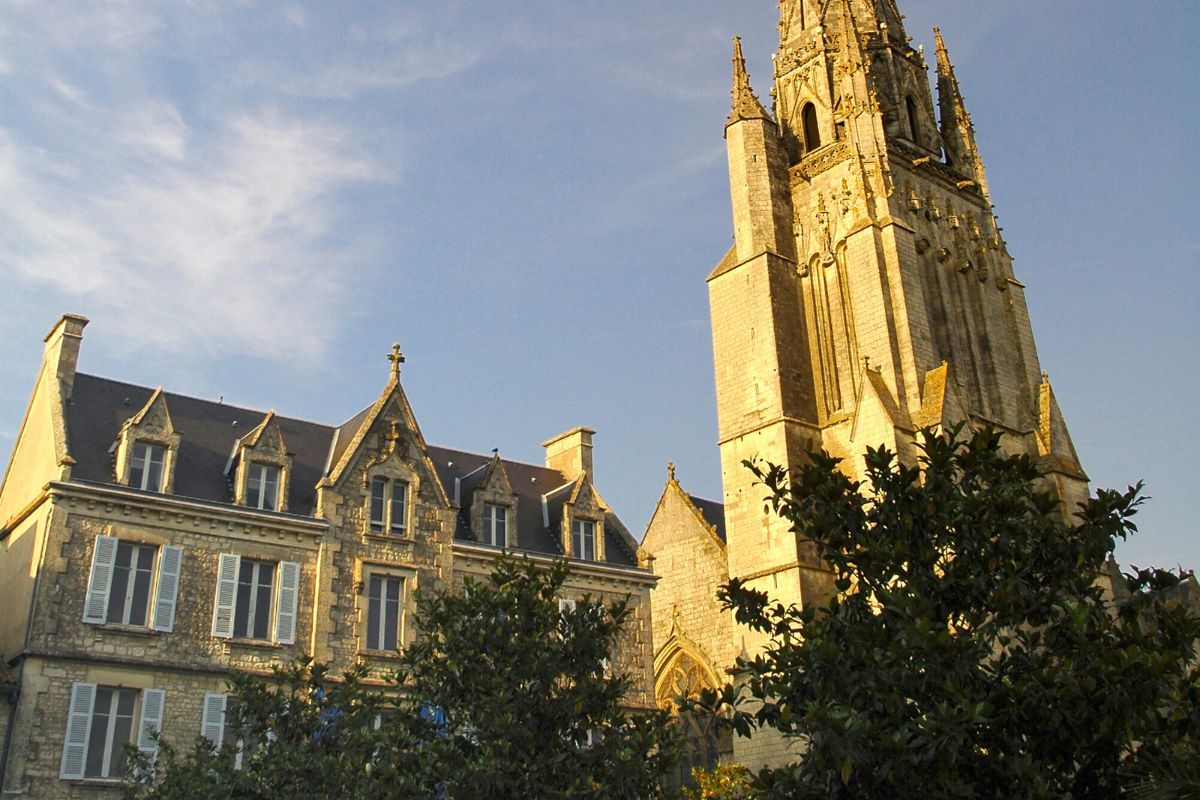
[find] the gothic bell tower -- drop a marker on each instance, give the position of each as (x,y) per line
(868,293)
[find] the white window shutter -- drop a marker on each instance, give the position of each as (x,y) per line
(212,721)
(153,701)
(285,606)
(170,560)
(227,573)
(104,556)
(79,722)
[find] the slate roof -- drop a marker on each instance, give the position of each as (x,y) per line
(713,513)
(209,431)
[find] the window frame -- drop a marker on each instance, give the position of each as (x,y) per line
(141,465)
(80,745)
(253,596)
(161,592)
(380,629)
(578,539)
(385,524)
(406,607)
(257,474)
(499,513)
(135,550)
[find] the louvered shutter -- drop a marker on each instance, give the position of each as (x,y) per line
(212,722)
(104,556)
(227,572)
(170,560)
(285,606)
(79,722)
(153,701)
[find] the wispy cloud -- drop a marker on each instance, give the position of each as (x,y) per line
(225,250)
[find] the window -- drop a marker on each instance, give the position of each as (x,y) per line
(583,539)
(256,599)
(389,506)
(911,107)
(495,524)
(146,467)
(133,573)
(125,587)
(100,722)
(219,724)
(252,615)
(812,131)
(262,487)
(383,612)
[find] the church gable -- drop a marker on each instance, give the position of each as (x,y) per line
(677,519)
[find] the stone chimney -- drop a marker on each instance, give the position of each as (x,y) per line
(570,453)
(62,350)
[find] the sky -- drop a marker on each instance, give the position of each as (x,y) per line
(254,200)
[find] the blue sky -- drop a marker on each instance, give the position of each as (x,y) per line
(254,200)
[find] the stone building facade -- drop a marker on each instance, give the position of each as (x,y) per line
(868,294)
(151,542)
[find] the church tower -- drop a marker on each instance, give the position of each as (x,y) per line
(868,292)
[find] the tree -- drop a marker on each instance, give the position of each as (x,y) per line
(504,695)
(971,649)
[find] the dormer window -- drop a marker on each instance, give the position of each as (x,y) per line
(260,467)
(495,525)
(146,466)
(262,486)
(583,539)
(389,506)
(145,451)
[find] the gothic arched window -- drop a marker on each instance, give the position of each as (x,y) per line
(812,131)
(914,129)
(702,743)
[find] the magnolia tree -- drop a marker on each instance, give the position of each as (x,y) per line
(503,695)
(973,648)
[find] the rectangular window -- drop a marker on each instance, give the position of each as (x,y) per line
(383,612)
(111,729)
(132,579)
(389,506)
(126,588)
(262,487)
(255,590)
(583,539)
(495,525)
(379,487)
(146,467)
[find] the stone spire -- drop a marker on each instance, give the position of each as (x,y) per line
(958,132)
(745,103)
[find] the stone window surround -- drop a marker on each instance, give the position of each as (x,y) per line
(367,568)
(596,517)
(246,456)
(124,446)
(395,471)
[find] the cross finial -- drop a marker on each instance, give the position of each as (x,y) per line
(397,358)
(671,470)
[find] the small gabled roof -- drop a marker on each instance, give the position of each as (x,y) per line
(529,483)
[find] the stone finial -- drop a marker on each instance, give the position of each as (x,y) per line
(397,358)
(745,102)
(671,470)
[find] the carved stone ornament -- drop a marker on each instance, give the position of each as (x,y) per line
(922,246)
(390,439)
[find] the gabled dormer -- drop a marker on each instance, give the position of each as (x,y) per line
(491,506)
(581,527)
(260,467)
(147,448)
(380,468)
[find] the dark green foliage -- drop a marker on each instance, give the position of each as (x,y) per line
(972,652)
(502,696)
